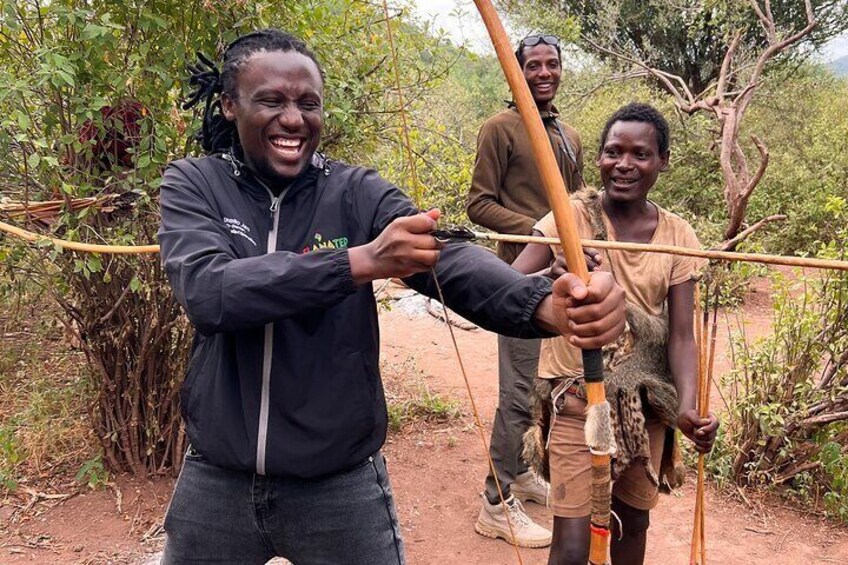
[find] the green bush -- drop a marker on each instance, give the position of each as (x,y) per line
(90,107)
(787,421)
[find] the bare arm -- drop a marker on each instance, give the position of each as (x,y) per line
(534,257)
(683,362)
(682,353)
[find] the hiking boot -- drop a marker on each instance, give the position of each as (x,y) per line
(492,523)
(531,487)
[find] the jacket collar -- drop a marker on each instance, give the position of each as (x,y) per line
(546,116)
(245,177)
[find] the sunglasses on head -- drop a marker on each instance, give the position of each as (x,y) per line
(533,40)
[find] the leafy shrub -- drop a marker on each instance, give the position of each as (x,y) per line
(10,457)
(787,422)
(409,398)
(90,107)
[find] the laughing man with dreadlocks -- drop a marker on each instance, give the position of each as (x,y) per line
(271,248)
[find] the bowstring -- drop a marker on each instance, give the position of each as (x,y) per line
(417,197)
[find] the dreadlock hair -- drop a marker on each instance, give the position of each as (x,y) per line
(208,83)
(637,112)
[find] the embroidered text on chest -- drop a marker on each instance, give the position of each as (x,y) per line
(237,227)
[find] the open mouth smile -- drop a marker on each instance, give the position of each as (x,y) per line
(624,183)
(544,87)
(287,147)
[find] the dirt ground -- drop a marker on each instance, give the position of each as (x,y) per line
(437,472)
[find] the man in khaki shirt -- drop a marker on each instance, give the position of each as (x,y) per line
(634,150)
(507,196)
(645,278)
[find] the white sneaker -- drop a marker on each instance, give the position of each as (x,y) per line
(492,523)
(530,487)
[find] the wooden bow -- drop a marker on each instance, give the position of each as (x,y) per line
(598,433)
(416,192)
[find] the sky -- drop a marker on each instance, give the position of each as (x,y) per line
(836,48)
(469,28)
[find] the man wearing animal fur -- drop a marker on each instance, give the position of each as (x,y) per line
(651,374)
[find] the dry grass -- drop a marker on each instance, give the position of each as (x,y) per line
(410,399)
(44,424)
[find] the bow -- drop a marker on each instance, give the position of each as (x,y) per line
(462,233)
(416,190)
(598,435)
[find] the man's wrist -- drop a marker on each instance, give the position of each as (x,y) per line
(684,408)
(543,317)
(361,264)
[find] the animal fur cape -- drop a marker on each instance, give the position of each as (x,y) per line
(636,374)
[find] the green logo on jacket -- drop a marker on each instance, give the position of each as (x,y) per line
(318,242)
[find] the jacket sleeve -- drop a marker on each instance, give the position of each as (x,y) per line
(577,176)
(482,288)
(476,284)
(483,205)
(222,292)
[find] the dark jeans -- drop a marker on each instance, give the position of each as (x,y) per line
(222,516)
(518,365)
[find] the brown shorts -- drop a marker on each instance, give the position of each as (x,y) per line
(571,465)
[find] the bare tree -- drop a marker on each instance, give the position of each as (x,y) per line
(679,36)
(727,99)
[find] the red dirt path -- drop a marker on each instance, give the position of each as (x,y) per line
(437,473)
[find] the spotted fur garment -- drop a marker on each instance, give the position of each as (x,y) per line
(637,381)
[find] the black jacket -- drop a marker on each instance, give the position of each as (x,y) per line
(284,376)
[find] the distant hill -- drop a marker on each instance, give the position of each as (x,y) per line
(839,67)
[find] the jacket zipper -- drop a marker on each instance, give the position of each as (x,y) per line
(231,160)
(267,356)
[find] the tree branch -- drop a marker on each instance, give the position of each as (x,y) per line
(723,75)
(766,18)
(731,244)
(832,369)
(778,46)
(791,473)
(769,13)
(761,170)
(823,419)
(683,97)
